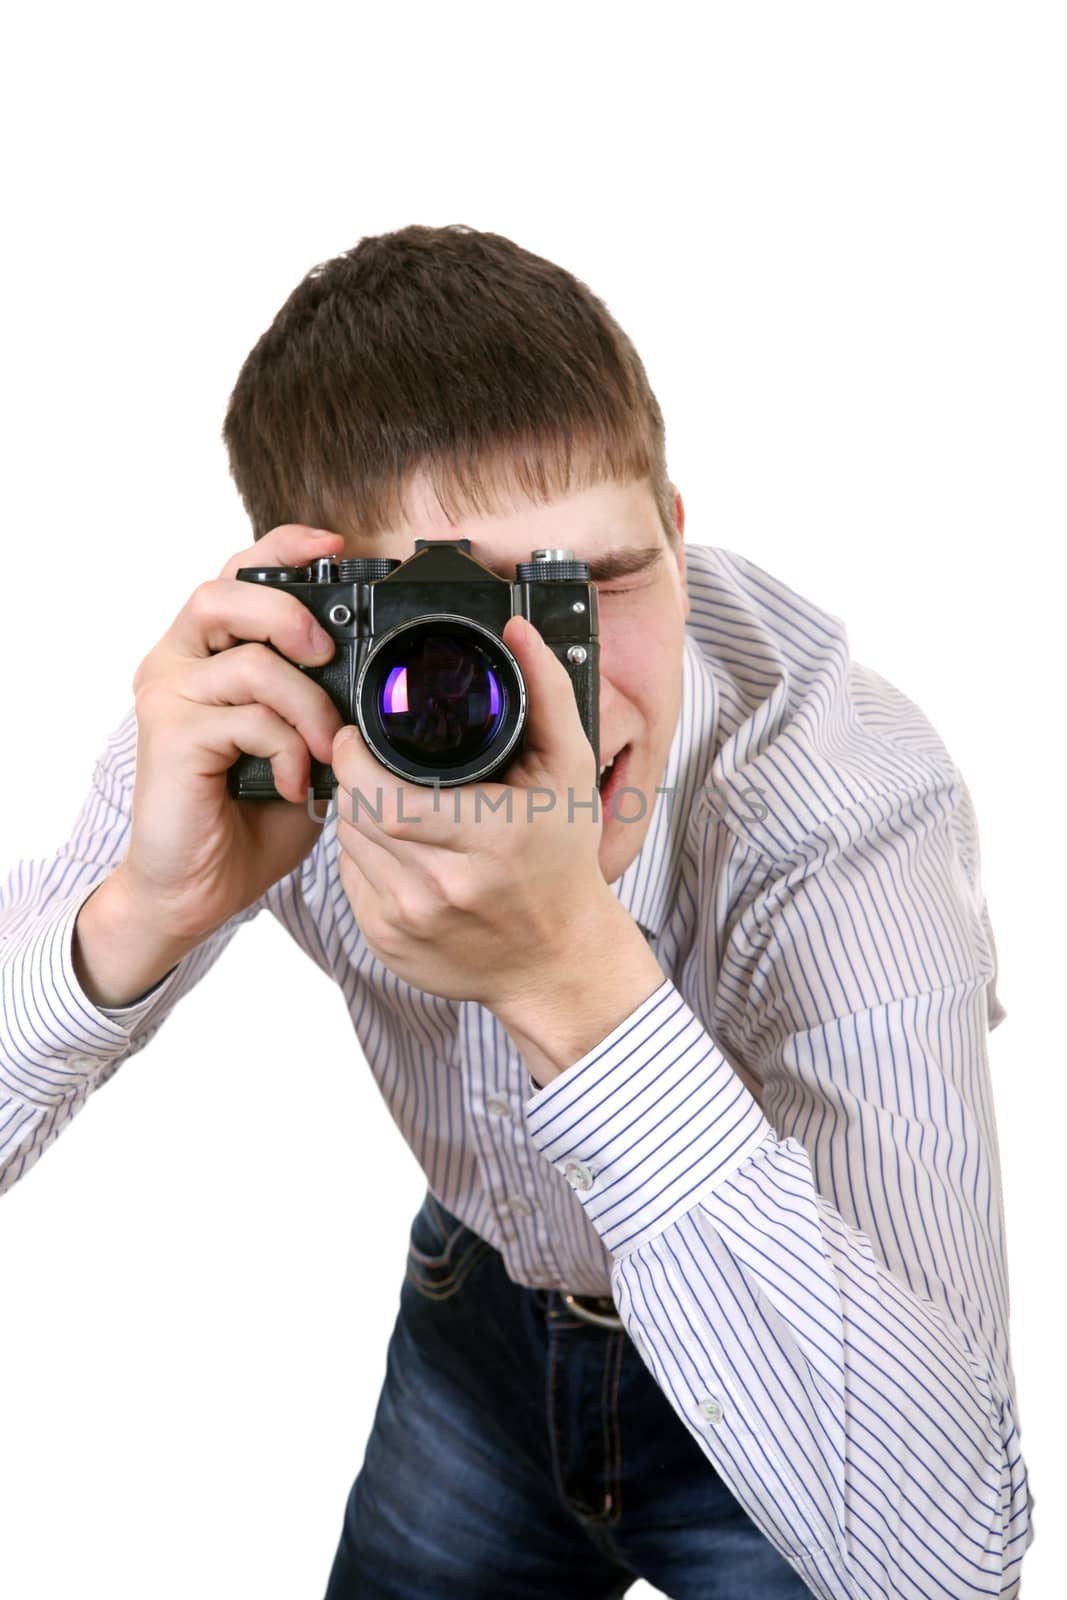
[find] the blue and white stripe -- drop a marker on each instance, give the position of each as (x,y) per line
(783,1164)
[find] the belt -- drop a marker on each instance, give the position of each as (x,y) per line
(598,1309)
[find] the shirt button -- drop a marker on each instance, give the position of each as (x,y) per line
(498,1107)
(578,1175)
(710,1409)
(519,1205)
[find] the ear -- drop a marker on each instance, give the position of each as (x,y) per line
(679,551)
(679,511)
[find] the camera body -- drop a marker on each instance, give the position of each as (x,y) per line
(420,664)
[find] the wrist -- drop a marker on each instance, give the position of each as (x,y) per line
(118,951)
(600,975)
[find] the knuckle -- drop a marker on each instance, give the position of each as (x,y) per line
(264,723)
(241,558)
(148,699)
(201,599)
(279,531)
(378,922)
(415,906)
(410,907)
(457,890)
(140,676)
(252,657)
(383,943)
(397,828)
(439,887)
(290,617)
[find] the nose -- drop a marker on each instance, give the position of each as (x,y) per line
(609,694)
(612,713)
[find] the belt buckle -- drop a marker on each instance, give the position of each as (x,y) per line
(600,1319)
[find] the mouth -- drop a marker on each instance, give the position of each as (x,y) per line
(613,772)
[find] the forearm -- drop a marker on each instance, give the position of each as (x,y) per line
(68,949)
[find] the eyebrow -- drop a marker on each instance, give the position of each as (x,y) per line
(624,563)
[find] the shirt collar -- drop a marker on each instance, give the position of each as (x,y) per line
(648,886)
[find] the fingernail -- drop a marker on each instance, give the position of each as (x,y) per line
(321,642)
(322,533)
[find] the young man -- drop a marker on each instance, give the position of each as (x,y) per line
(709,1284)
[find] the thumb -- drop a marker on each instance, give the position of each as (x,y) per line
(554,729)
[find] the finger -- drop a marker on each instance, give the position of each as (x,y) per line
(250,674)
(291,544)
(219,734)
(368,861)
(554,730)
(414,814)
(224,612)
(406,812)
(408,849)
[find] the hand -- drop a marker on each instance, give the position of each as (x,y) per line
(197,855)
(456,897)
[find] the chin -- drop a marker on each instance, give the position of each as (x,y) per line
(619,848)
(621,840)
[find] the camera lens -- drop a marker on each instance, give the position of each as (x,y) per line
(441,699)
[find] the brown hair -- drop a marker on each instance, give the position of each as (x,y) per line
(448,351)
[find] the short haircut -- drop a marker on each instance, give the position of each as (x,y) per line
(445,351)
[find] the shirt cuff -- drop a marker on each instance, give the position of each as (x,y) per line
(132,1013)
(52,1037)
(647,1122)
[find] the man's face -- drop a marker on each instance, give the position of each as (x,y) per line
(642,620)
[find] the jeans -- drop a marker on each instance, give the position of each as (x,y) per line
(519,1452)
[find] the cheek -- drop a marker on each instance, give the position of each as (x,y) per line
(624,638)
(642,661)
(629,638)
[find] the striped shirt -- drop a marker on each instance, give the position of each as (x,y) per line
(782,1165)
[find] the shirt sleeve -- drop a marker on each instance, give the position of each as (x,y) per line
(802,1204)
(56,1046)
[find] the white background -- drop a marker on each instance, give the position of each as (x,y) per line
(836,235)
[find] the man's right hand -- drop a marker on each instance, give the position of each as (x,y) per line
(197,856)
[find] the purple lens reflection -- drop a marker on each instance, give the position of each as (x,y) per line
(395,692)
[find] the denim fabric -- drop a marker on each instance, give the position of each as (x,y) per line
(519,1453)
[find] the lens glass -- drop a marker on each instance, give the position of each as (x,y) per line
(441,701)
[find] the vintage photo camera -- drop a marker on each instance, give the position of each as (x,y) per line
(419,663)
